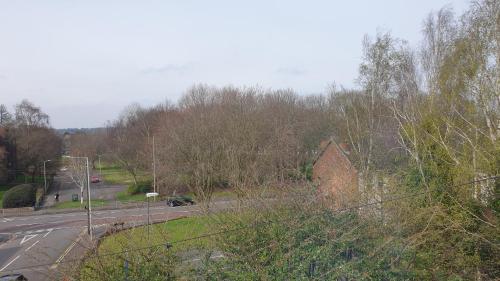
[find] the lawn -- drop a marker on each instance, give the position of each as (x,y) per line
(170,231)
(143,254)
(224,194)
(76,204)
(113,174)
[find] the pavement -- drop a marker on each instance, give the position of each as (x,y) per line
(39,243)
(65,187)
(47,246)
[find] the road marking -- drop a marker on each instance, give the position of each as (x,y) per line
(9,263)
(28,238)
(27,249)
(50,230)
(26,224)
(54,266)
(64,254)
(95,226)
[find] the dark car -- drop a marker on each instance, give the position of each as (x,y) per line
(13,277)
(179,201)
(95,179)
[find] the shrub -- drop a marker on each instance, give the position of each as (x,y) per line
(23,195)
(141,187)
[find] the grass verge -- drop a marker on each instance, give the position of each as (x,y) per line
(123,196)
(144,262)
(113,174)
(76,204)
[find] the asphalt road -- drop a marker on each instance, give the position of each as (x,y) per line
(38,243)
(65,187)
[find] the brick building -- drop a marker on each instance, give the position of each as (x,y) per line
(334,173)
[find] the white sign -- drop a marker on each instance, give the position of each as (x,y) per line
(151,194)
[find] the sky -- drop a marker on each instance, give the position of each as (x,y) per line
(82,62)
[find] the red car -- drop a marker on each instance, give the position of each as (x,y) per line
(94,179)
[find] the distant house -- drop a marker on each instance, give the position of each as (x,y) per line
(334,173)
(66,143)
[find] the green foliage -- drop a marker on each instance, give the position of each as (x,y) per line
(155,263)
(124,196)
(23,195)
(297,243)
(76,204)
(140,187)
(3,189)
(307,171)
(114,174)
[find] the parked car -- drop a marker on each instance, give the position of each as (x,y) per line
(179,201)
(13,277)
(95,179)
(64,169)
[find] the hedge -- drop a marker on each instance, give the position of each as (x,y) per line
(23,195)
(141,187)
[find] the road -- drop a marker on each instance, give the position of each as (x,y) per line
(46,240)
(65,187)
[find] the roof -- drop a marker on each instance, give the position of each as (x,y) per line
(328,143)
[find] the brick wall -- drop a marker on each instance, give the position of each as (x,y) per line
(335,175)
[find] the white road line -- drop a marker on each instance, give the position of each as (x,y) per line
(27,249)
(27,238)
(65,252)
(26,224)
(50,230)
(9,263)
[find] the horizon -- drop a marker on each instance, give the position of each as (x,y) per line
(72,59)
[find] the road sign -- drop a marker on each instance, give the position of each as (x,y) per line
(151,194)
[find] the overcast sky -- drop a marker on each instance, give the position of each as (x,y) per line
(83,61)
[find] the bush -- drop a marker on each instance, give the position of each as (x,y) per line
(23,195)
(141,187)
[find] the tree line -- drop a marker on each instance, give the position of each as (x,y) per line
(424,121)
(29,138)
(413,109)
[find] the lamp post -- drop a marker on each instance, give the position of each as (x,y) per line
(89,211)
(100,169)
(154,166)
(45,175)
(150,194)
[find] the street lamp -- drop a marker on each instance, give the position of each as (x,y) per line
(45,175)
(100,167)
(150,194)
(89,214)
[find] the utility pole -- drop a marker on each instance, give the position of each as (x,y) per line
(150,194)
(100,169)
(45,175)
(89,214)
(154,166)
(89,210)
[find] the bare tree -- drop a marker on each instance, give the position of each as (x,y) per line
(5,116)
(35,140)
